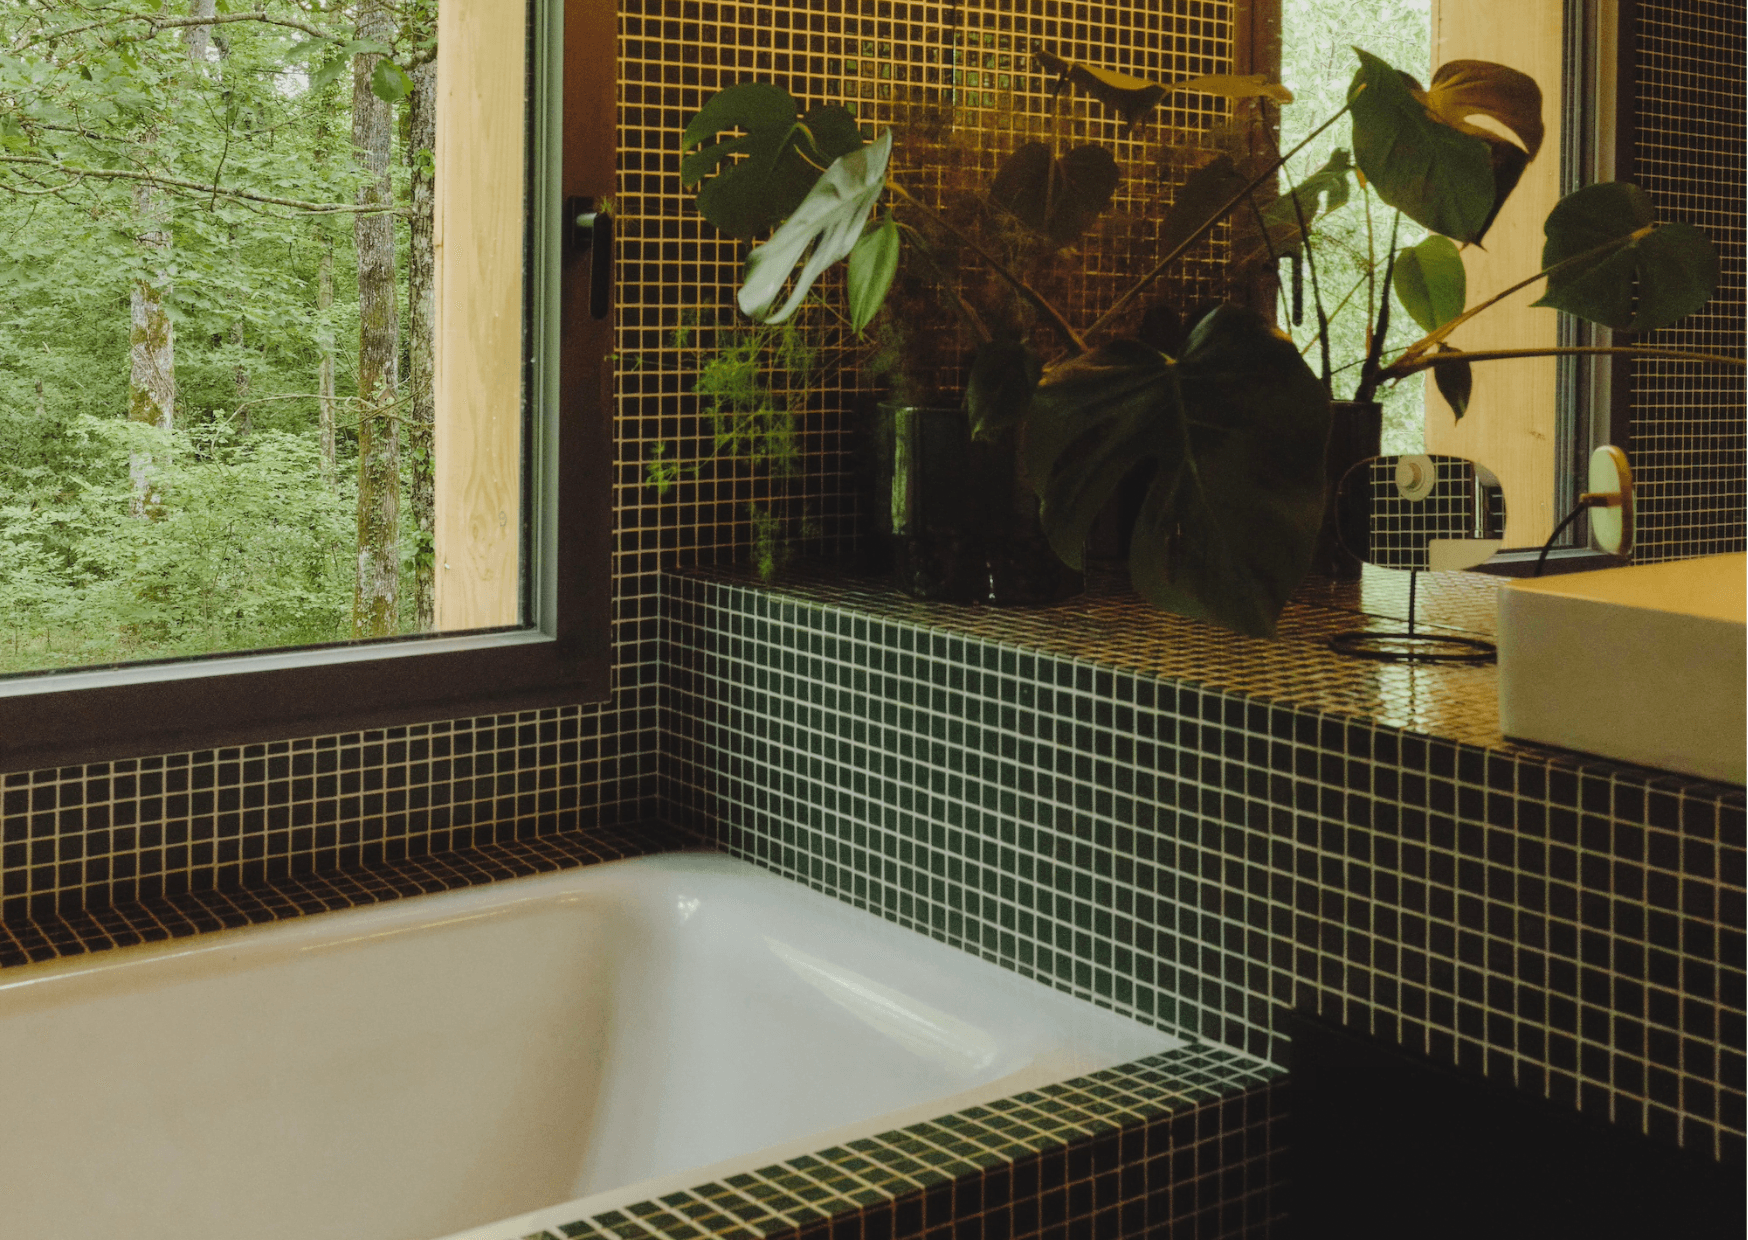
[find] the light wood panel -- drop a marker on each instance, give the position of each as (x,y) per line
(1510,423)
(481,127)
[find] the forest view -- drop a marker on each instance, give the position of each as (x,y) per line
(216,278)
(1317,65)
(215,369)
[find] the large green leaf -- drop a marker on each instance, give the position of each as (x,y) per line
(873,263)
(1234,86)
(1430,282)
(1060,198)
(1232,438)
(389,82)
(1135,97)
(1441,176)
(822,230)
(1647,275)
(1455,379)
(783,154)
(1004,374)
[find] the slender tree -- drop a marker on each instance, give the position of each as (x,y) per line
(325,352)
(421,323)
(376,597)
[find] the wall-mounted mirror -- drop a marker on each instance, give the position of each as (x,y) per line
(1421,512)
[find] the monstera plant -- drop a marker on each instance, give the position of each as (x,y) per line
(1225,435)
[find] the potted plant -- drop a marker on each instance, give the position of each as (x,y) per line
(1224,437)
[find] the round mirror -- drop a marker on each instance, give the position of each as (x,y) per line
(1421,512)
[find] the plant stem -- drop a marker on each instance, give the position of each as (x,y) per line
(1372,263)
(1207,226)
(1370,375)
(1339,307)
(1405,365)
(1051,314)
(1434,338)
(1311,267)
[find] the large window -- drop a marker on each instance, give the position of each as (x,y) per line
(1532,421)
(289,346)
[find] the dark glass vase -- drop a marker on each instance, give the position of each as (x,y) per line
(1355,434)
(953,519)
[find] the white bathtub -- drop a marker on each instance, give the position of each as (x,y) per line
(557,1045)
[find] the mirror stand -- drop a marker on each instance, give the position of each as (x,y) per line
(1412,646)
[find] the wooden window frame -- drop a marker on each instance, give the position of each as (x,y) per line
(562,655)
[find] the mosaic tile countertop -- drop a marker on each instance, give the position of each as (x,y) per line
(1113,628)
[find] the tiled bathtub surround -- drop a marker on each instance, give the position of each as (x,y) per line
(87,837)
(179,914)
(1157,830)
(1183,1144)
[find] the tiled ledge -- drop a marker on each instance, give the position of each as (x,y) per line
(1110,628)
(23,940)
(1207,831)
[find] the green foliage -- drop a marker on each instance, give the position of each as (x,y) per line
(1317,63)
(746,378)
(872,265)
(1230,440)
(782,155)
(238,548)
(1621,268)
(244,547)
(1425,159)
(1430,282)
(821,231)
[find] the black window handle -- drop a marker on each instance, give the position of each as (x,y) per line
(590,231)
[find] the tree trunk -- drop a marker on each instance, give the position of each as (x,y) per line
(421,323)
(196,38)
(325,345)
(240,378)
(375,599)
(151,389)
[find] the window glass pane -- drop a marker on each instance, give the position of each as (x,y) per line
(261,373)
(1317,65)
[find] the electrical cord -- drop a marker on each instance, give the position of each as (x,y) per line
(1585,503)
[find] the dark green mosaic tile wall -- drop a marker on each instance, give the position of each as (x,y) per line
(1206,860)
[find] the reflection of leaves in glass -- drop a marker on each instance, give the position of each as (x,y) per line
(1659,274)
(1231,436)
(782,154)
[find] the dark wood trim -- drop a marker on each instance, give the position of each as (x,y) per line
(1522,562)
(585,487)
(1626,125)
(563,658)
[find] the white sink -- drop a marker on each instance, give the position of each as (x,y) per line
(1643,664)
